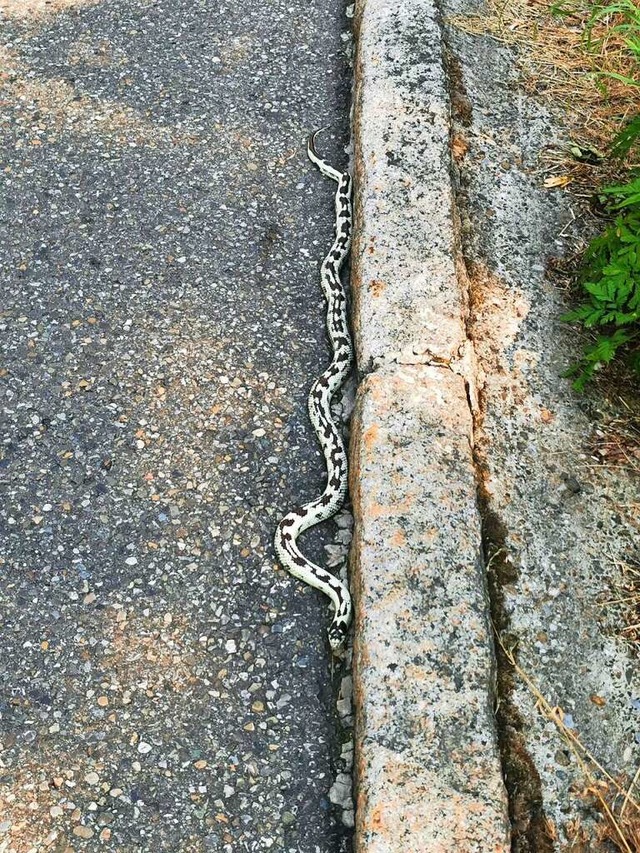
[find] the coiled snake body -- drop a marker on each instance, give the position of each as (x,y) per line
(319,405)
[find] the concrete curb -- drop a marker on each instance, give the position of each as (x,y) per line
(428,775)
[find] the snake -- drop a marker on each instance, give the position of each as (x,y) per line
(321,394)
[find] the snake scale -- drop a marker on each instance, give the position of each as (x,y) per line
(322,391)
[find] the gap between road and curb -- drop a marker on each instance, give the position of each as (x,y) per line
(428,774)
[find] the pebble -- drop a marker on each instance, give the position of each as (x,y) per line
(83,831)
(348,818)
(283,701)
(340,791)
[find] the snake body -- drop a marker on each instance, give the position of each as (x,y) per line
(319,405)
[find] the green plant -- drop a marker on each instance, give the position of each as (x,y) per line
(621,19)
(626,139)
(610,279)
(610,271)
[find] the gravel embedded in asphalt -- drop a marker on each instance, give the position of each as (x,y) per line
(164,687)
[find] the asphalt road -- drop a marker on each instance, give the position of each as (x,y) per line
(163,686)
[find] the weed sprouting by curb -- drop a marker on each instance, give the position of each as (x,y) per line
(610,284)
(609,278)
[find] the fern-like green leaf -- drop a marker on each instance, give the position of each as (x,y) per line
(626,139)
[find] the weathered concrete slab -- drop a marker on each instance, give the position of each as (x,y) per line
(428,774)
(427,763)
(560,524)
(408,305)
(556,526)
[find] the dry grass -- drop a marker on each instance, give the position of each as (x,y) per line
(625,597)
(616,443)
(556,65)
(617,802)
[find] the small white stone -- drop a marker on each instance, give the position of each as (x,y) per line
(348,818)
(144,747)
(131,561)
(340,793)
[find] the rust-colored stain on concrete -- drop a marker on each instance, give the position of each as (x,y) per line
(398,538)
(546,416)
(377,819)
(497,311)
(459,826)
(376,287)
(377,510)
(411,448)
(370,436)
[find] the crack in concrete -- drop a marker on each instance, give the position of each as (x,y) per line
(522,780)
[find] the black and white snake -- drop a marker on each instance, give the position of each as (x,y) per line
(319,405)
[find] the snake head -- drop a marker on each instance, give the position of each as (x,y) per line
(337,636)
